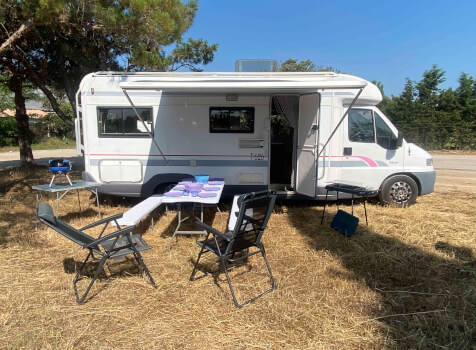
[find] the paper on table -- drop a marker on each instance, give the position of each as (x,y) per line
(173,194)
(215,182)
(211,188)
(207,194)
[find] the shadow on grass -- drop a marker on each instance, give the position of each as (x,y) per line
(89,213)
(116,269)
(125,267)
(209,214)
(429,301)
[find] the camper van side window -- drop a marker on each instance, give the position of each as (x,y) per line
(232,119)
(385,136)
(123,122)
(361,125)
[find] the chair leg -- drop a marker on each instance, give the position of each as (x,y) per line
(195,267)
(273,282)
(225,269)
(141,263)
(98,271)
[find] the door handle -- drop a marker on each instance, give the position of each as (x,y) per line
(347,151)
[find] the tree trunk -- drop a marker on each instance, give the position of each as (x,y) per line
(24,135)
(68,86)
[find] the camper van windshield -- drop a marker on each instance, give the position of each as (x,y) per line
(123,122)
(361,128)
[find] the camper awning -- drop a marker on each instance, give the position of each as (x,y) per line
(243,86)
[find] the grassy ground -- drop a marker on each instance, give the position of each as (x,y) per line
(48,143)
(405,281)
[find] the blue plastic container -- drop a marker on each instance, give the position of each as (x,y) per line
(202,179)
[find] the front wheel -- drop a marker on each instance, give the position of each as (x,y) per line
(399,190)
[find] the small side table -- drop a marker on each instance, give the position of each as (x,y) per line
(354,191)
(65,188)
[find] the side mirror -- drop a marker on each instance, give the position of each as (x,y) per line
(399,139)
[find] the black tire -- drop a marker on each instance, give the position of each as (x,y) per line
(164,187)
(399,190)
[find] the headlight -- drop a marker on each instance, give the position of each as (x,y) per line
(429,162)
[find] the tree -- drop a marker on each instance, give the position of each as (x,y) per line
(465,95)
(292,65)
(433,117)
(56,42)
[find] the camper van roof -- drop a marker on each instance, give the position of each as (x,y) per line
(238,81)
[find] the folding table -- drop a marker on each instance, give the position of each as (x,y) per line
(66,187)
(354,191)
(195,200)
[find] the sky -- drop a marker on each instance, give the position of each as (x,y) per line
(386,41)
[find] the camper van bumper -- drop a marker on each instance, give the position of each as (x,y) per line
(427,181)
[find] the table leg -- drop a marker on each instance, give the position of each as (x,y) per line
(36,213)
(79,204)
(97,201)
(365,210)
(352,204)
(57,204)
(219,211)
(179,216)
(324,210)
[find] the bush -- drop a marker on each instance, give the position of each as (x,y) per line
(51,126)
(8,132)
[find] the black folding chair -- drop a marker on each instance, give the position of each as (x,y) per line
(253,216)
(114,245)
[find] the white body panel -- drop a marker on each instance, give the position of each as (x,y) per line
(134,166)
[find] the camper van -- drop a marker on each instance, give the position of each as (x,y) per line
(294,132)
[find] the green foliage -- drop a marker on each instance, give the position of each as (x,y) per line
(8,131)
(436,118)
(58,41)
(292,65)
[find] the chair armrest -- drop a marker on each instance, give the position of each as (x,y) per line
(213,231)
(118,233)
(102,221)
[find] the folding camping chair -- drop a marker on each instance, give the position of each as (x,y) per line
(253,216)
(114,245)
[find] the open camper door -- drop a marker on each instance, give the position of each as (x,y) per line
(307,142)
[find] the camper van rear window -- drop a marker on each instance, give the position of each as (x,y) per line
(123,122)
(232,119)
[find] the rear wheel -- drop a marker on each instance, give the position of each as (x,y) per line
(164,187)
(399,190)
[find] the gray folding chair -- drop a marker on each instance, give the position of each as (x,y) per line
(114,245)
(255,211)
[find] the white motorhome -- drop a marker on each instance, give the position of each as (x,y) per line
(295,132)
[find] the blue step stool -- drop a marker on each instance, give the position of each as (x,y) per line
(345,223)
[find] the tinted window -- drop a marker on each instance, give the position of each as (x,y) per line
(124,122)
(361,125)
(232,119)
(385,136)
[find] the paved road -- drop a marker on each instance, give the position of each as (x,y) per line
(455,172)
(454,162)
(8,159)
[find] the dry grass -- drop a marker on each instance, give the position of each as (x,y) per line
(405,281)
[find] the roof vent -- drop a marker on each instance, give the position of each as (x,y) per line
(256,66)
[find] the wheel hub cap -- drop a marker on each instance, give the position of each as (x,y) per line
(400,192)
